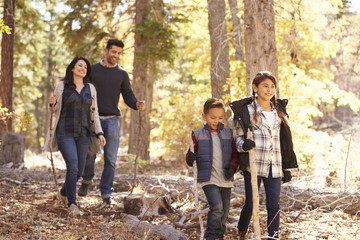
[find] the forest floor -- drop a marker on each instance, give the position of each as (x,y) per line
(29,208)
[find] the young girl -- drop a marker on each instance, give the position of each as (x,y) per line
(215,156)
(267,120)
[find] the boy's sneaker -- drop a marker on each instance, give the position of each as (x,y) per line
(73,210)
(84,188)
(109,201)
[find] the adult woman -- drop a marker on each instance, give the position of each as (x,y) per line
(75,120)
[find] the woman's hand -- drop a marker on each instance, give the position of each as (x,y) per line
(102,140)
(52,99)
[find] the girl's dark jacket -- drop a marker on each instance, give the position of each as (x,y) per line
(242,116)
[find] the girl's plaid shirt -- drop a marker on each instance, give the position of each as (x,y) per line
(267,142)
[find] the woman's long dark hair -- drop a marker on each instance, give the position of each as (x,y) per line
(259,78)
(69,75)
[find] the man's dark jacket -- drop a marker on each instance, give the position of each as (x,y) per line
(242,116)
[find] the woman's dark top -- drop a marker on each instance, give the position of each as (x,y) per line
(75,112)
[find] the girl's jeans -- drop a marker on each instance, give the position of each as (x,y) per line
(219,201)
(73,150)
(272,189)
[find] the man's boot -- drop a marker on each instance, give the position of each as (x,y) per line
(84,188)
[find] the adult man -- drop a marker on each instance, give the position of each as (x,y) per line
(110,81)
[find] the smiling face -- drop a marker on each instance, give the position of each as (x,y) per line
(265,90)
(112,55)
(80,69)
(213,117)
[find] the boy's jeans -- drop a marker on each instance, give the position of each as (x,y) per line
(73,150)
(219,201)
(272,189)
(111,129)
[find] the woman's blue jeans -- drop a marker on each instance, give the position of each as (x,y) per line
(73,150)
(111,128)
(272,189)
(219,201)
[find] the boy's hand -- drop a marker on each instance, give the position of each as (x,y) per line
(191,157)
(229,171)
(287,176)
(248,144)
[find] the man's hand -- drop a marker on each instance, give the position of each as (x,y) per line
(140,105)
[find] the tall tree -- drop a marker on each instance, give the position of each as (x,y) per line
(154,47)
(260,45)
(139,124)
(220,66)
(237,30)
(7,61)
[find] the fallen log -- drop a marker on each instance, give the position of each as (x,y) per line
(146,205)
(145,230)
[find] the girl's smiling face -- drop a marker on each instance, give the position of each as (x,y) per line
(265,90)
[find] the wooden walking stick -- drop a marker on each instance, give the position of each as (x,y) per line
(254,186)
(196,193)
(51,139)
(137,156)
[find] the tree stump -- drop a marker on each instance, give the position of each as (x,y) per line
(12,147)
(145,205)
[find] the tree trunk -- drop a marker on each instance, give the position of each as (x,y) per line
(139,124)
(237,31)
(220,66)
(7,62)
(260,45)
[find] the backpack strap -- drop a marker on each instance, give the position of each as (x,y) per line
(241,113)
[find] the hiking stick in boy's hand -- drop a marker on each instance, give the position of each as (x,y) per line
(254,186)
(196,192)
(51,120)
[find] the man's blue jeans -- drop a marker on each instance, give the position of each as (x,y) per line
(219,201)
(73,150)
(272,189)
(111,129)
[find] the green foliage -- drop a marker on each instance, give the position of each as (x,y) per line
(129,166)
(21,117)
(4,28)
(160,44)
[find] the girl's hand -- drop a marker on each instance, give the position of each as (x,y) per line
(102,140)
(248,145)
(52,99)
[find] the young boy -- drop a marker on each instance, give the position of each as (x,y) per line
(215,156)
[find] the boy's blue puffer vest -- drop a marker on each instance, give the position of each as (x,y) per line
(205,150)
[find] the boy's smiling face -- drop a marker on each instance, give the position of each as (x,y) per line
(213,117)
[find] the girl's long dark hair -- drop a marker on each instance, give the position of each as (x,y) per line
(259,78)
(69,76)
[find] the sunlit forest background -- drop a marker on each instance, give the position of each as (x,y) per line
(318,53)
